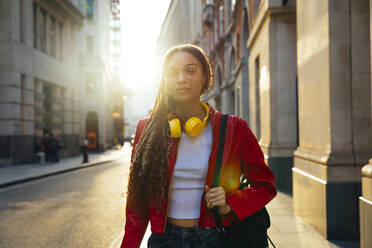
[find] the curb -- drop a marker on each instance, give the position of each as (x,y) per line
(33,178)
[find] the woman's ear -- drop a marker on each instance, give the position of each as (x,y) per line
(205,86)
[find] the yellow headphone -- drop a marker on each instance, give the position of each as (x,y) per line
(193,126)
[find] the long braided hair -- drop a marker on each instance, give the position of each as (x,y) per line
(148,178)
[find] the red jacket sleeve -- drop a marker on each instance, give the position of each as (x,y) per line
(251,199)
(135,225)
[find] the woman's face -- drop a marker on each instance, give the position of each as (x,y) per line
(184,77)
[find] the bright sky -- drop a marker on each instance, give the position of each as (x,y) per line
(140,26)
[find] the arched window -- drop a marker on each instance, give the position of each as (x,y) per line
(232,61)
(217,88)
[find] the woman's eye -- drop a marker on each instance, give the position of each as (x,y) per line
(190,70)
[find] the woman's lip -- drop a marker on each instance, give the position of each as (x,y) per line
(182,90)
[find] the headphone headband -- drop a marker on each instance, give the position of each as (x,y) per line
(193,126)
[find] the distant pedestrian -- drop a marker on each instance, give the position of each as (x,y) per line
(39,151)
(121,140)
(84,150)
(47,148)
(56,145)
(53,149)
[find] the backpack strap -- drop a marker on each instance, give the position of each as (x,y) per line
(217,170)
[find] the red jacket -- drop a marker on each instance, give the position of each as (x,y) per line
(240,144)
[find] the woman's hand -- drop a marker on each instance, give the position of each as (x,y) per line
(217,197)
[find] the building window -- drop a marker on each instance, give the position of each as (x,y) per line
(21,38)
(215,26)
(256,5)
(90,10)
(90,44)
(227,14)
(60,40)
(232,6)
(90,84)
(220,15)
(211,42)
(232,61)
(238,111)
(43,30)
(34,38)
(52,36)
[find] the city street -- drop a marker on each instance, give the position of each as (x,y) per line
(82,208)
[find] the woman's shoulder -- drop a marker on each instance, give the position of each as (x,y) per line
(143,121)
(141,125)
(233,119)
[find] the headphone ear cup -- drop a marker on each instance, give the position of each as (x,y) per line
(194,126)
(175,128)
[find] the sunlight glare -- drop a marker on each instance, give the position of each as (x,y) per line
(141,22)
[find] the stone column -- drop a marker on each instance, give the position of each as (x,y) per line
(56,110)
(70,139)
(273,93)
(334,114)
(365,201)
(38,108)
(28,106)
(280,92)
(67,111)
(10,98)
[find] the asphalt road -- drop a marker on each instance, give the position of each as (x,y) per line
(82,208)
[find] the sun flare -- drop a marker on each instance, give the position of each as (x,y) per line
(141,26)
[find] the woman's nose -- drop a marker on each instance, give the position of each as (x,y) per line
(181,76)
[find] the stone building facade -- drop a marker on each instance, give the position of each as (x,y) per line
(299,72)
(95,74)
(182,24)
(38,75)
(54,72)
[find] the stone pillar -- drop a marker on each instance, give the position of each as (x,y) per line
(67,111)
(280,93)
(365,201)
(273,93)
(56,111)
(10,97)
(16,121)
(227,99)
(334,114)
(27,105)
(75,112)
(38,108)
(70,139)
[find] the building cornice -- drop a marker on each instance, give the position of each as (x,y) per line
(63,8)
(262,17)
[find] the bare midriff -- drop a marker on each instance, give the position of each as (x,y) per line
(183,222)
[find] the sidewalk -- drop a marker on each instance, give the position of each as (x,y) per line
(290,231)
(23,173)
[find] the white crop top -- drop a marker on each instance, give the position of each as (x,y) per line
(188,179)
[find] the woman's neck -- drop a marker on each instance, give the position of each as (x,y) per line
(190,109)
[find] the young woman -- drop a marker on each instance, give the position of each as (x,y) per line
(173,161)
